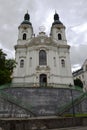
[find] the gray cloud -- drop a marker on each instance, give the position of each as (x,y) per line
(78,54)
(72,13)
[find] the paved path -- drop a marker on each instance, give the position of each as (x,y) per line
(72,128)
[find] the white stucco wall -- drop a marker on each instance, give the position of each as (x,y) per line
(55,49)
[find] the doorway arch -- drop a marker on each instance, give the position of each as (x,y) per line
(43,80)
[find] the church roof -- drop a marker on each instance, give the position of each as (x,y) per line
(26,19)
(56,19)
(41,41)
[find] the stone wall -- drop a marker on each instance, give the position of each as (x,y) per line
(41,123)
(38,101)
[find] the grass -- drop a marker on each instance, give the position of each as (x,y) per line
(76,115)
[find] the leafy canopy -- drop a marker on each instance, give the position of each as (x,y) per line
(78,82)
(6,68)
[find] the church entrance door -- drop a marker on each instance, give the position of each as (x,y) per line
(43,80)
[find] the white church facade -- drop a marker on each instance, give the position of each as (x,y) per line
(42,60)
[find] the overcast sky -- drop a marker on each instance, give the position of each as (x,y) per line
(73,14)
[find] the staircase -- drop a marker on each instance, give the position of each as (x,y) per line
(10,98)
(14,100)
(8,85)
(69,105)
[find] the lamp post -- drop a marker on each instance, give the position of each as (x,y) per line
(73,108)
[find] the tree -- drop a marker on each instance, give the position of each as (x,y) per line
(10,64)
(5,76)
(2,59)
(78,82)
(6,68)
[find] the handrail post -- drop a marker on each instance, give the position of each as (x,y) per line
(73,108)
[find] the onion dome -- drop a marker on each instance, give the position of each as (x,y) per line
(26,19)
(56,19)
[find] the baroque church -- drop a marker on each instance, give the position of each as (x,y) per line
(42,60)
(42,87)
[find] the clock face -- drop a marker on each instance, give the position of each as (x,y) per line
(42,28)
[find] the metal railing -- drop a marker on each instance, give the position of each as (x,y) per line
(68,106)
(10,98)
(37,85)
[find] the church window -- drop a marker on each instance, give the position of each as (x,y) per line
(59,37)
(86,68)
(30,61)
(21,63)
(84,82)
(24,36)
(82,76)
(54,58)
(63,63)
(42,57)
(79,77)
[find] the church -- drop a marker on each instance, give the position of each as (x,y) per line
(41,89)
(42,60)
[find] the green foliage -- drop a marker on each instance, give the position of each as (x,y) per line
(6,68)
(2,59)
(78,82)
(10,64)
(76,115)
(5,77)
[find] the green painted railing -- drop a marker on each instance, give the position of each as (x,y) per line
(10,98)
(49,85)
(78,88)
(5,86)
(69,105)
(28,107)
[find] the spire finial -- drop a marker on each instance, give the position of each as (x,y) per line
(27,16)
(56,19)
(56,16)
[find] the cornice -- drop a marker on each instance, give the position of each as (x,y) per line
(20,46)
(63,46)
(45,68)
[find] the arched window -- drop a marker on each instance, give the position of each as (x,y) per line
(54,58)
(63,63)
(24,36)
(21,63)
(59,37)
(30,61)
(42,57)
(86,68)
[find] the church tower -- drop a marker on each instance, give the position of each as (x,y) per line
(25,30)
(42,60)
(58,31)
